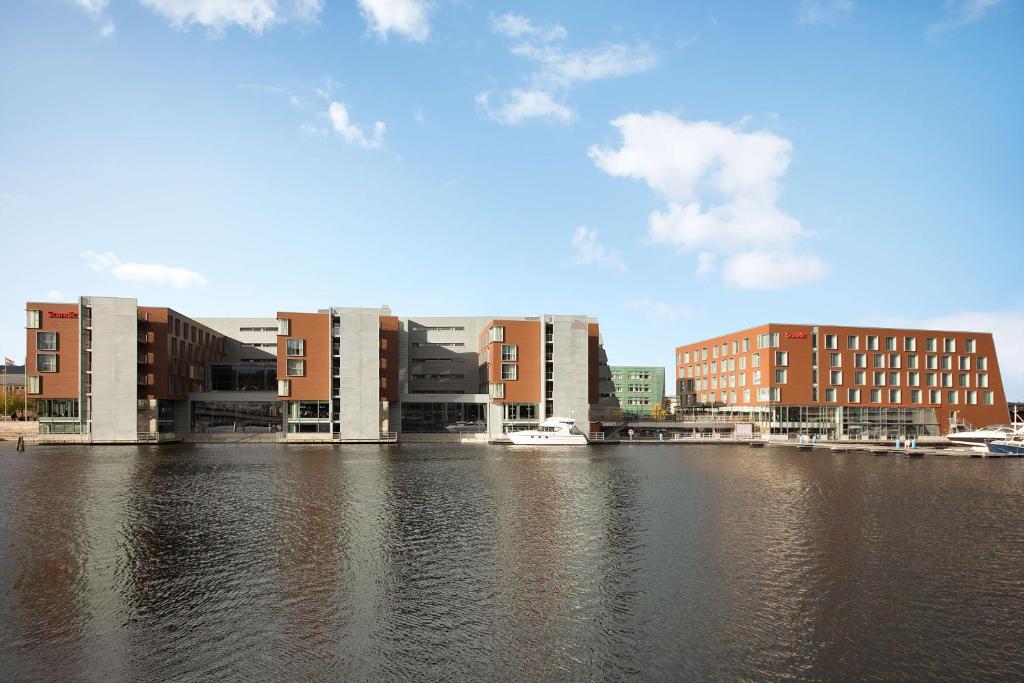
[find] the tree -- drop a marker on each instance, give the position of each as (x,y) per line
(657,412)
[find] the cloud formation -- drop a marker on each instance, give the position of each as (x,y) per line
(659,310)
(216,15)
(407,18)
(818,12)
(353,134)
(960,13)
(587,251)
(153,273)
(557,70)
(721,185)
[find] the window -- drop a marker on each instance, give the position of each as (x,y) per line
(983,380)
(951,397)
(295,347)
(913,379)
(947,379)
(872,342)
(509,371)
(894,360)
(910,343)
(497,389)
(929,379)
(982,363)
(853,395)
(830,395)
(860,378)
(782,358)
(894,396)
(969,345)
(780,376)
(878,360)
(46,362)
(876,395)
(965,363)
(757,377)
(879,379)
(831,341)
(509,352)
(755,360)
(929,344)
(971,398)
(743,362)
(986,397)
(934,396)
(33,319)
(915,396)
(835,360)
(35,384)
(946,363)
(860,360)
(912,362)
(894,379)
(746,344)
(284,387)
(949,345)
(965,380)
(836,377)
(852,342)
(931,362)
(295,367)
(746,395)
(890,343)
(46,341)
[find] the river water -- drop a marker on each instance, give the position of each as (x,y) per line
(430,562)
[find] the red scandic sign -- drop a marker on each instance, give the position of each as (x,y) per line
(59,314)
(796,335)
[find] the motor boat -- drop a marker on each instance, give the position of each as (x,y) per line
(554,431)
(1011,446)
(982,436)
(962,433)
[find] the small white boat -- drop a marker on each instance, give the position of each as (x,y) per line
(554,431)
(1011,446)
(962,433)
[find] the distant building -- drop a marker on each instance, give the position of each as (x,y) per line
(845,381)
(671,404)
(638,389)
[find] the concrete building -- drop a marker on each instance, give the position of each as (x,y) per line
(638,389)
(838,381)
(107,370)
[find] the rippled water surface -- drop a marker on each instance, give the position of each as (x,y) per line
(436,562)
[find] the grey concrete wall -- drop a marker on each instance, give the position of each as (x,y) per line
(359,369)
(114,368)
(459,355)
(571,372)
(236,348)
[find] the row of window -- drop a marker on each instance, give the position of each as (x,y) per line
(633,374)
(916,396)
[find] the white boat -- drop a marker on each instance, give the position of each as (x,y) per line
(963,434)
(554,431)
(1014,445)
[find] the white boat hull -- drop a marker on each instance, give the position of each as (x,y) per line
(529,438)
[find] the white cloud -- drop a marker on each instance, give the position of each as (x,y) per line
(659,310)
(817,12)
(562,68)
(154,273)
(721,185)
(517,26)
(705,264)
(772,270)
(520,105)
(54,295)
(217,15)
(407,18)
(107,30)
(1007,328)
(960,13)
(587,251)
(93,7)
(557,70)
(352,133)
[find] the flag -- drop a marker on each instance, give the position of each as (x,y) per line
(9,361)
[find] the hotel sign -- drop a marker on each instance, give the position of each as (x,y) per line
(796,335)
(60,314)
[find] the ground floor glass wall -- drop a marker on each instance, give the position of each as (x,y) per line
(236,416)
(440,418)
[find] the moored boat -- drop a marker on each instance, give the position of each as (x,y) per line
(1012,446)
(554,431)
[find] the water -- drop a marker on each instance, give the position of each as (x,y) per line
(433,562)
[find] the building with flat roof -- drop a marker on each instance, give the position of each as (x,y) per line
(840,381)
(638,389)
(108,370)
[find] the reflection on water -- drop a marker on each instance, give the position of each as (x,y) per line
(266,562)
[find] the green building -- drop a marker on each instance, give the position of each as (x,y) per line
(638,389)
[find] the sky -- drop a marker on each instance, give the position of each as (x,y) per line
(677,170)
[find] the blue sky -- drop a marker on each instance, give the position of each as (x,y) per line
(676,169)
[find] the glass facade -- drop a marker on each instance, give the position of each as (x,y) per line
(441,418)
(306,417)
(243,377)
(236,416)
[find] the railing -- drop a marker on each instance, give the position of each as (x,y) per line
(596,436)
(389,436)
